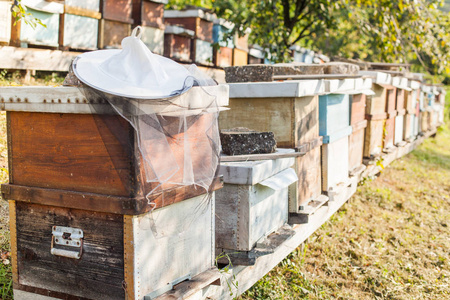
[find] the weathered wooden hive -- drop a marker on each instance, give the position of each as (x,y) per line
(376,113)
(48,12)
(240,51)
(403,92)
(256,55)
(178,43)
(5,22)
(424,111)
(411,117)
(115,23)
(290,110)
(252,204)
(358,122)
(335,129)
(201,22)
(79,25)
(223,54)
(81,224)
(149,14)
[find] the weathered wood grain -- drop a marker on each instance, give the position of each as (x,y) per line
(309,186)
(334,113)
(389,132)
(376,104)
(178,47)
(356,145)
(98,274)
(148,13)
(78,32)
(203,28)
(358,108)
(117,10)
(391,100)
(111,33)
(240,57)
(71,152)
(373,139)
(5,22)
(223,57)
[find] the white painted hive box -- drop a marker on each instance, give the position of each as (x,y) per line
(253,202)
(335,163)
(173,242)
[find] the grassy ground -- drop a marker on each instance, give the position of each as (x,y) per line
(390,241)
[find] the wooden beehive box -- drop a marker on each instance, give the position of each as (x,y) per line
(358,122)
(256,55)
(149,14)
(223,50)
(334,111)
(334,127)
(197,20)
(178,43)
(79,25)
(291,111)
(253,202)
(121,256)
(70,170)
(201,22)
(5,22)
(203,52)
(25,35)
(240,57)
(117,10)
(389,132)
(376,112)
(111,34)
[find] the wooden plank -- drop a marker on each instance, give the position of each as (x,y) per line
(152,14)
(308,169)
(304,216)
(129,258)
(153,38)
(100,268)
(173,242)
(40,35)
(223,57)
(389,133)
(111,33)
(373,139)
(178,47)
(13,241)
(104,203)
(253,157)
(306,120)
(356,147)
(203,52)
(358,108)
(314,76)
(35,59)
(79,32)
(5,22)
(240,57)
(54,150)
(79,11)
(376,104)
(276,115)
(117,10)
(189,288)
(335,163)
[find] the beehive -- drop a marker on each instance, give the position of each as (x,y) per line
(253,202)
(290,110)
(120,247)
(48,13)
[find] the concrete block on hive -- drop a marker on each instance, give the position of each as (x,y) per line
(239,141)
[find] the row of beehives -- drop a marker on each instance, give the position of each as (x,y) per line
(77,219)
(186,36)
(338,126)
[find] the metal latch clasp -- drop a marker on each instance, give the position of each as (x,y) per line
(68,237)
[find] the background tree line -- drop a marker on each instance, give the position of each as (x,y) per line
(414,31)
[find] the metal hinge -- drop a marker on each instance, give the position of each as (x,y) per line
(68,237)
